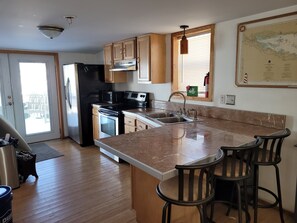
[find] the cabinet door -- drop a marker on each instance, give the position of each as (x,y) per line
(110,76)
(108,63)
(130,121)
(129,49)
(141,125)
(129,129)
(130,124)
(118,51)
(143,58)
(95,120)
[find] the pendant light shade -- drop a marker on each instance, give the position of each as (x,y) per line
(50,31)
(184,41)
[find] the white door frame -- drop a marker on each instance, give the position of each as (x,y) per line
(14,84)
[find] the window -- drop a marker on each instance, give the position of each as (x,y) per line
(191,69)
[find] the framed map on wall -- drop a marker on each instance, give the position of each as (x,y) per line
(267,52)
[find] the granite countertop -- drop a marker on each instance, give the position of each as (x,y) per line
(156,151)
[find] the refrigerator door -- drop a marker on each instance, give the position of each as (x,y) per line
(82,86)
(71,96)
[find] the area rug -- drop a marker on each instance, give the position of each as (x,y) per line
(44,152)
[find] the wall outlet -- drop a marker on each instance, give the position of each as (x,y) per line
(230,99)
(222,99)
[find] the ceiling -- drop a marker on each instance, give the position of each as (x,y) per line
(103,21)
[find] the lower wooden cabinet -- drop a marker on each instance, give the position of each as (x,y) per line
(141,125)
(132,124)
(95,119)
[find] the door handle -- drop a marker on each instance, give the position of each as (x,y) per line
(68,93)
(10,101)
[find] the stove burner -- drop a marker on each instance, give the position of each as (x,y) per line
(131,100)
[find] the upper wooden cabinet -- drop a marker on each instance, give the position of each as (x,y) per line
(151,58)
(111,76)
(124,50)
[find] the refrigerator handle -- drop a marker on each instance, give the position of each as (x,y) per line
(68,93)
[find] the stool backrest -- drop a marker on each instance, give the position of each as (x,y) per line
(237,161)
(270,150)
(196,181)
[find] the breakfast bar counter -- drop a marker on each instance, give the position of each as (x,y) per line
(157,151)
(153,154)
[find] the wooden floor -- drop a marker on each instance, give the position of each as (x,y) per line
(85,186)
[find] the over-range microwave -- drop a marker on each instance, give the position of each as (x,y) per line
(112,96)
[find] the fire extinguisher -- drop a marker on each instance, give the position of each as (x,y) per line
(206,83)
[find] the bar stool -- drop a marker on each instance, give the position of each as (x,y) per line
(193,186)
(236,167)
(269,154)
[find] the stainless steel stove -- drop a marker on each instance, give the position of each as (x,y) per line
(111,117)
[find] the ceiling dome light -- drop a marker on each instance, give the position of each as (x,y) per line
(50,31)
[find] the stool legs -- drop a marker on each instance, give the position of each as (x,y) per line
(166,208)
(203,213)
(278,198)
(242,205)
(166,213)
(239,203)
(280,205)
(255,192)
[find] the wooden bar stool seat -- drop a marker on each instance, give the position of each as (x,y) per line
(193,186)
(236,167)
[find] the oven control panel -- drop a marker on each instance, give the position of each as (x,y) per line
(137,96)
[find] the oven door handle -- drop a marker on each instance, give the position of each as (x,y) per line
(106,114)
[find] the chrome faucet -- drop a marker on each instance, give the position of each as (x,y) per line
(180,93)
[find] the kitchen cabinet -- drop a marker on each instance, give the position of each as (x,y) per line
(151,58)
(124,50)
(141,125)
(95,120)
(112,76)
(130,124)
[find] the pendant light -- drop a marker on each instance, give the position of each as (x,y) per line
(184,41)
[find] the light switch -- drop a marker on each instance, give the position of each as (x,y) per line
(230,99)
(222,99)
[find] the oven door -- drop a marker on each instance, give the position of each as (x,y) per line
(108,125)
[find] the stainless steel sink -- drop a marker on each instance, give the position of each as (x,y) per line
(173,119)
(161,115)
(167,117)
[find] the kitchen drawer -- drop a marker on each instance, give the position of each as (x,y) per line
(129,129)
(130,121)
(141,126)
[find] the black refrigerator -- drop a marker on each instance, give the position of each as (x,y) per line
(83,84)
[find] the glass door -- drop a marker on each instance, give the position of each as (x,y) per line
(34,96)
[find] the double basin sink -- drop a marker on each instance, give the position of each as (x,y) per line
(168,117)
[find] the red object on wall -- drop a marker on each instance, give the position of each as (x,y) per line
(206,84)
